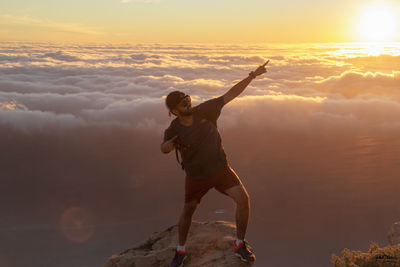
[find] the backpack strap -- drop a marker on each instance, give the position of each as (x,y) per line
(177,158)
(177,147)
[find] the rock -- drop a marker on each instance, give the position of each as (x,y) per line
(376,256)
(394,234)
(209,244)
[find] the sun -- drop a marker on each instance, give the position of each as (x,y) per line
(377,23)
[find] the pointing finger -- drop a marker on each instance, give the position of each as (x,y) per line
(265,63)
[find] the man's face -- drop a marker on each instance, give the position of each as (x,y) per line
(184,108)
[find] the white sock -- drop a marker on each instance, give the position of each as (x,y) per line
(238,242)
(181,248)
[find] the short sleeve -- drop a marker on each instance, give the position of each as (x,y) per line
(169,133)
(211,109)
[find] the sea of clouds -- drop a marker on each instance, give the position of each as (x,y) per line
(314,140)
(48,85)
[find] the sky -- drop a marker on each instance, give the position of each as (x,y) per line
(192,21)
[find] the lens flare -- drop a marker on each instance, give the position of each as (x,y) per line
(76,224)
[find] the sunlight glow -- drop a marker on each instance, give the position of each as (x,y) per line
(377,23)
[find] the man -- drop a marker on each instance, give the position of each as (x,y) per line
(195,134)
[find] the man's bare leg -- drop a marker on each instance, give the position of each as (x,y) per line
(186,220)
(239,194)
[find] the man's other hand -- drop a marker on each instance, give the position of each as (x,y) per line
(168,145)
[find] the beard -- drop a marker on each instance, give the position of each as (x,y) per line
(187,112)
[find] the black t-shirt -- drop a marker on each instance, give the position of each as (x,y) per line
(204,154)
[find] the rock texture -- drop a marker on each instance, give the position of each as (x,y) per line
(394,234)
(376,256)
(209,244)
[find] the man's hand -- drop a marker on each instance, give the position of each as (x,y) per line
(239,87)
(168,145)
(261,69)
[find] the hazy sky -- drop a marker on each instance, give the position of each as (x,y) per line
(233,21)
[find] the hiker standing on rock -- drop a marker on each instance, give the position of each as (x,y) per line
(195,134)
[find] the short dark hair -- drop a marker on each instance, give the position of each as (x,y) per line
(173,99)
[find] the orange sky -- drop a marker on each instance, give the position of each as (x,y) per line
(234,21)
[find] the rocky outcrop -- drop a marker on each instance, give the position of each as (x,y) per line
(209,244)
(388,256)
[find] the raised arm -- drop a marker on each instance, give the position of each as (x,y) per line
(238,88)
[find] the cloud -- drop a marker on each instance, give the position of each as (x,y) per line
(11,105)
(59,55)
(110,99)
(352,84)
(112,84)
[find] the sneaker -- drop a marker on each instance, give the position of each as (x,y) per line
(178,259)
(244,253)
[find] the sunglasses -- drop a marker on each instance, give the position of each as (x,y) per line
(185,101)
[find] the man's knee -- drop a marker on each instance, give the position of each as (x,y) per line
(242,198)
